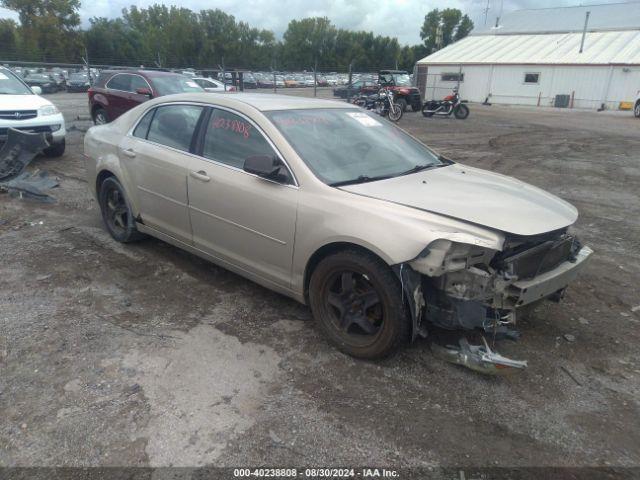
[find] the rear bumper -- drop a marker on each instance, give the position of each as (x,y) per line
(546,284)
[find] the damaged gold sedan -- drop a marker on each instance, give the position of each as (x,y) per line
(340,210)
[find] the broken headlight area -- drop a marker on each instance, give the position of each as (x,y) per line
(469,287)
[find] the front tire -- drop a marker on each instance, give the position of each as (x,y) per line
(56,150)
(402,103)
(357,303)
(461,111)
(395,112)
(116,212)
(636,109)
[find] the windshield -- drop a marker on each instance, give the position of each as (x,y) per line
(170,84)
(10,85)
(79,77)
(351,146)
(402,80)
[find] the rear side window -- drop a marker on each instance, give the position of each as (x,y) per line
(137,82)
(120,82)
(173,125)
(230,139)
(142,129)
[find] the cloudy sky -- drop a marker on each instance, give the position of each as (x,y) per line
(399,18)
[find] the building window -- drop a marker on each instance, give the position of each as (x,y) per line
(452,77)
(532,78)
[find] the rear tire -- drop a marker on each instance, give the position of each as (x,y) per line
(425,111)
(636,109)
(116,212)
(357,303)
(56,150)
(100,116)
(461,112)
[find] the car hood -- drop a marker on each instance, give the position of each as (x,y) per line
(22,102)
(477,196)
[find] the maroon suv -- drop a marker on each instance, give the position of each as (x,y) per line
(117,91)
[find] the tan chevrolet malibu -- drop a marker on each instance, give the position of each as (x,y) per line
(337,208)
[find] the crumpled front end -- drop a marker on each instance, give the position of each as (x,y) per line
(467,286)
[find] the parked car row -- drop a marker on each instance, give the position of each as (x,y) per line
(55,80)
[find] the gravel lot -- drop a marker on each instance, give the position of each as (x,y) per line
(146,355)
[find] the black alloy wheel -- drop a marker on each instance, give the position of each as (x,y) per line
(357,303)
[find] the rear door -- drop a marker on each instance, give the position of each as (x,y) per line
(236,216)
(156,156)
(117,94)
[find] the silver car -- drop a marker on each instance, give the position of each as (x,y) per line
(337,208)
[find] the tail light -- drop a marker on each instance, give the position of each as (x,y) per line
(90,92)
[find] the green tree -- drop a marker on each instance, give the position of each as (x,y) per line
(48,28)
(307,41)
(464,28)
(443,27)
(9,39)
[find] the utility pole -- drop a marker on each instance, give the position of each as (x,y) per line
(86,62)
(486,12)
(349,83)
(315,79)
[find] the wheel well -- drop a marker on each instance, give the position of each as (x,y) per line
(324,252)
(102,176)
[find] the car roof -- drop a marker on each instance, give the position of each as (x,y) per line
(261,101)
(149,73)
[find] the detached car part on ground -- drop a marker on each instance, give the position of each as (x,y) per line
(341,210)
(16,153)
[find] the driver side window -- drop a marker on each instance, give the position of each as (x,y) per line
(230,139)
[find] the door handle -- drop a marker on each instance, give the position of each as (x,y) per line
(129,153)
(200,175)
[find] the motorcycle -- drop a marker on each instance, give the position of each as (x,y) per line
(450,104)
(382,103)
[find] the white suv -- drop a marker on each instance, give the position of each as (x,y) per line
(22,108)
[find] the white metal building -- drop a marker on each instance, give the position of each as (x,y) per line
(535,55)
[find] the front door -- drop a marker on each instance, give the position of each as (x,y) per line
(236,216)
(157,158)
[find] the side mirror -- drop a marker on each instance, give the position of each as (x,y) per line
(266,166)
(144,91)
(36,90)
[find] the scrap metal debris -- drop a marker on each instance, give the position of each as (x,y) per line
(31,185)
(479,358)
(17,152)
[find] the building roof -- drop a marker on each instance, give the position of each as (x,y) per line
(606,17)
(548,37)
(600,48)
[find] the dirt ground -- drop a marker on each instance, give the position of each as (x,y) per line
(143,354)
